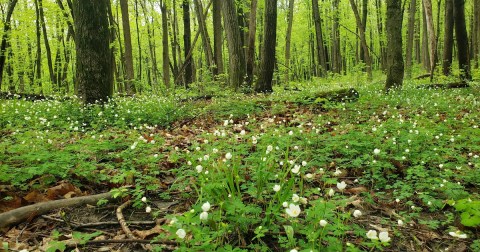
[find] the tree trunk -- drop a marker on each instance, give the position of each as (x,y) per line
(67,17)
(476,33)
(94,61)
(217,36)
(410,37)
(264,83)
(427,4)
(165,55)
(448,38)
(321,56)
(395,67)
(187,44)
(139,44)
(252,28)
(336,55)
(6,33)
(383,56)
(46,42)
(288,40)
(364,23)
(205,38)
(237,66)
(38,60)
(462,39)
(363,40)
(127,40)
(425,46)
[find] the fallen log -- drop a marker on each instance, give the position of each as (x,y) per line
(444,86)
(341,95)
(29,212)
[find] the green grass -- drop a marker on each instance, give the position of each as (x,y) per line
(426,173)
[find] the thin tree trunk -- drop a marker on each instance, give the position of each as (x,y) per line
(363,41)
(321,57)
(140,58)
(448,38)
(364,23)
(395,68)
(410,37)
(252,28)
(46,42)
(427,4)
(205,38)
(6,32)
(264,83)
(217,36)
(476,33)
(425,46)
(165,54)
(336,55)
(462,39)
(127,40)
(237,66)
(67,17)
(38,60)
(187,44)
(288,38)
(383,55)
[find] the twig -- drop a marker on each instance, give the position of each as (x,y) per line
(122,221)
(166,242)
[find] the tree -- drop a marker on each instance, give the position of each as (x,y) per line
(336,56)
(395,67)
(205,37)
(217,36)
(288,39)
(264,83)
(237,66)
(252,28)
(127,38)
(321,56)
(165,57)
(6,31)
(46,41)
(363,40)
(410,37)
(94,73)
(462,39)
(448,38)
(427,5)
(187,43)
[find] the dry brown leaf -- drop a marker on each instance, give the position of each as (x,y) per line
(356,190)
(60,190)
(143,234)
(35,197)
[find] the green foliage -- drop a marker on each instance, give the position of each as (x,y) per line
(469,212)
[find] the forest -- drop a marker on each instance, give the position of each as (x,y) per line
(239,125)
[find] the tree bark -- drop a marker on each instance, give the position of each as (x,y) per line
(364,23)
(321,56)
(67,17)
(383,58)
(217,36)
(5,37)
(165,54)
(127,40)
(363,41)
(336,54)
(187,44)
(94,60)
(288,38)
(462,39)
(448,38)
(427,4)
(252,28)
(476,33)
(46,42)
(395,69)
(38,58)
(264,83)
(410,37)
(139,44)
(205,38)
(237,66)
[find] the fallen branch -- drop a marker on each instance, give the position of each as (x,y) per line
(342,95)
(29,212)
(165,242)
(444,86)
(122,221)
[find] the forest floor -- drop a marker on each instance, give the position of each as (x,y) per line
(279,172)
